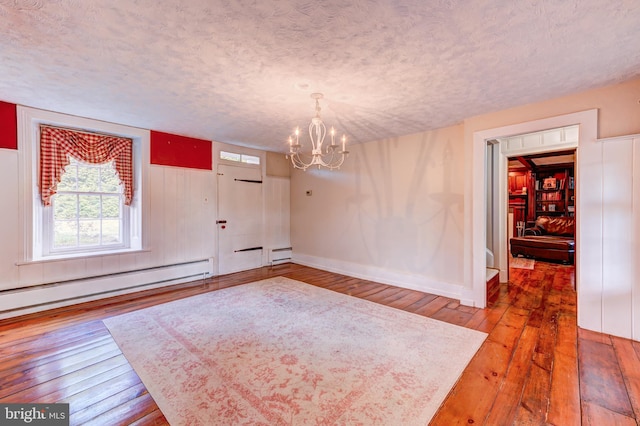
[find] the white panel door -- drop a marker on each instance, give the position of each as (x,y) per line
(240,219)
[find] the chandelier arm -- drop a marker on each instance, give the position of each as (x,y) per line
(333,162)
(298,162)
(338,164)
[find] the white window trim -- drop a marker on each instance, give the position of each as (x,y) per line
(233,149)
(29,121)
(241,160)
(48,250)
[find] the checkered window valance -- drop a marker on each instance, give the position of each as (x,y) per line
(56,145)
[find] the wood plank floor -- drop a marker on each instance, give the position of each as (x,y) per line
(536,367)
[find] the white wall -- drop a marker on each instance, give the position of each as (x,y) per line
(611,302)
(277,190)
(9,218)
(179,212)
(392,213)
(181,215)
(177,228)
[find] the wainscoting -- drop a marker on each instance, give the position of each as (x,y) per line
(71,291)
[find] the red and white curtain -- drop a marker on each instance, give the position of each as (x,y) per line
(56,145)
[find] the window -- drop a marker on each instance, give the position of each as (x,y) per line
(86,209)
(240,158)
(87,213)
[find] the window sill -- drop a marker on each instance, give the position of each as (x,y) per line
(77,256)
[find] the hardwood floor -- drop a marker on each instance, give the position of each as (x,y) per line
(536,367)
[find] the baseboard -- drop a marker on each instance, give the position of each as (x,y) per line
(54,295)
(396,278)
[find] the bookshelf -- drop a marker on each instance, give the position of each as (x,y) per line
(520,185)
(555,192)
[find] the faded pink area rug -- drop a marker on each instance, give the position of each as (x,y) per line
(281,352)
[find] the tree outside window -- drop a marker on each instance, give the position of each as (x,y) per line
(87,208)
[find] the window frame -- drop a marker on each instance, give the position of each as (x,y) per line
(48,226)
(241,160)
(33,212)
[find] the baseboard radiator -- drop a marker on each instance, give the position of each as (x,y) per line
(279,255)
(19,301)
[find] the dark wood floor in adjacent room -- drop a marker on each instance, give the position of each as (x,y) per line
(536,367)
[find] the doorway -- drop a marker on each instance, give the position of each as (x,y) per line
(541,194)
(475,259)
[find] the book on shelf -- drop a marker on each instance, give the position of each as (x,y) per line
(554,184)
(550,196)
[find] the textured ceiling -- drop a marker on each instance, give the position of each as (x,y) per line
(241,71)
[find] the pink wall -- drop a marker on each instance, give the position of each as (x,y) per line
(618,111)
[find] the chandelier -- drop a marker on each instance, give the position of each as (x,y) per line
(333,155)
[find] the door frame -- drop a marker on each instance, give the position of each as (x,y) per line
(477,216)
